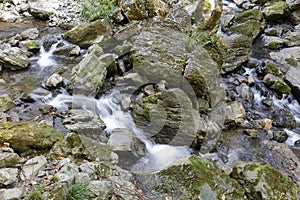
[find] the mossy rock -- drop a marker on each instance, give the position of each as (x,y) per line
(276,11)
(264,182)
(250,28)
(86,34)
(32,45)
(252,14)
(277,84)
(27,136)
(79,147)
(6,103)
(271,68)
(190,178)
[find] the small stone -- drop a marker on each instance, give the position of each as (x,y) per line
(280,136)
(8,176)
(251,132)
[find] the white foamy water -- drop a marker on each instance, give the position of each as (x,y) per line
(157,156)
(45,59)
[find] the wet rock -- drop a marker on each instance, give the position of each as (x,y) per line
(245,93)
(14,58)
(274,42)
(167,117)
(189,178)
(32,167)
(31,45)
(277,84)
(267,102)
(125,140)
(8,176)
(234,112)
(54,81)
(237,51)
(8,159)
(6,103)
(297,143)
(72,50)
(290,58)
(79,147)
(276,11)
(293,4)
(24,137)
(48,41)
(87,123)
(11,194)
(109,60)
(266,124)
(284,119)
(86,34)
(264,182)
(88,75)
(275,153)
(142,9)
(30,34)
(43,9)
(292,38)
(280,136)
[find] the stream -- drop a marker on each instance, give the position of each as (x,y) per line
(157,156)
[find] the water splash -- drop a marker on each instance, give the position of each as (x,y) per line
(46,57)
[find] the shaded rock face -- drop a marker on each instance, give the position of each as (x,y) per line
(264,182)
(25,137)
(14,59)
(190,178)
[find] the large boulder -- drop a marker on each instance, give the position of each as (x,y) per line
(79,147)
(86,34)
(190,178)
(26,137)
(289,57)
(167,117)
(264,182)
(88,75)
(158,56)
(14,58)
(237,51)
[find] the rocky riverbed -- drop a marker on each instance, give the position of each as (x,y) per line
(161,100)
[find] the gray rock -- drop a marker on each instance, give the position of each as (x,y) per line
(273,42)
(264,182)
(109,61)
(237,51)
(87,123)
(292,38)
(32,167)
(10,15)
(11,194)
(234,111)
(293,4)
(72,50)
(276,11)
(8,176)
(280,136)
(54,81)
(89,75)
(86,34)
(295,17)
(125,140)
(31,34)
(14,59)
(100,188)
(8,159)
(189,178)
(43,9)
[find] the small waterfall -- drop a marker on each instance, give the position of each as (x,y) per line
(45,59)
(157,155)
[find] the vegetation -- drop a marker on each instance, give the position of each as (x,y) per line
(36,194)
(98,9)
(76,191)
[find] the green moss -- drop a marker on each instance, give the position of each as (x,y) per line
(281,87)
(275,44)
(150,99)
(252,14)
(271,68)
(292,61)
(250,28)
(189,175)
(32,44)
(36,194)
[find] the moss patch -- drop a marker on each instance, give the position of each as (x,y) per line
(292,61)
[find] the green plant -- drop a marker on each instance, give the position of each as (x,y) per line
(76,191)
(36,194)
(98,9)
